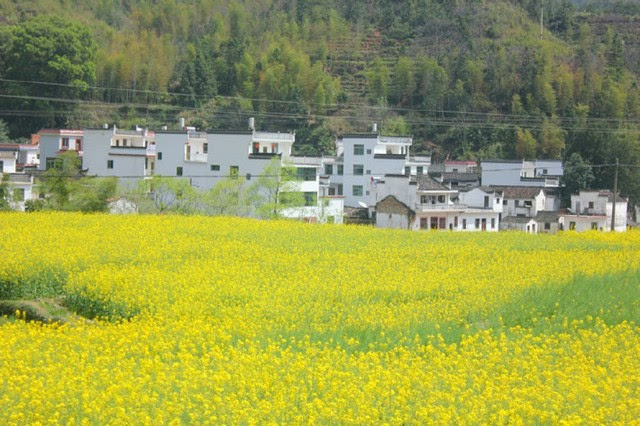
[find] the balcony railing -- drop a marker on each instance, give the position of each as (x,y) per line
(440,207)
(396,140)
(263,155)
(390,156)
(273,137)
(196,157)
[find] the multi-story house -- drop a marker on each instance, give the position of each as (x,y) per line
(363,159)
(593,210)
(422,203)
(536,173)
(129,155)
(53,142)
(206,158)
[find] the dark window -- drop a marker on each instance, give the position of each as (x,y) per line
(358,149)
(493,223)
(178,171)
(572,226)
(477,223)
(340,169)
(205,148)
(51,163)
(340,191)
(590,204)
(368,151)
(528,203)
(420,171)
(358,169)
(65,143)
(159,156)
(109,164)
(455,221)
(215,167)
(328,169)
(356,191)
(310,199)
(234,171)
(594,226)
(517,203)
(547,226)
(504,202)
(248,176)
(1,166)
(464,223)
(441,198)
(486,201)
(407,171)
(306,173)
(368,171)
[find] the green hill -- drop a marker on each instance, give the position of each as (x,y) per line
(469,79)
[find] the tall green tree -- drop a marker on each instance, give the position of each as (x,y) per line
(48,49)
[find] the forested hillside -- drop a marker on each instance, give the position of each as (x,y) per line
(469,79)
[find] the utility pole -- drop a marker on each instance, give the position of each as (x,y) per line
(615,197)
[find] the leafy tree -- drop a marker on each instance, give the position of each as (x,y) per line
(378,78)
(4,132)
(551,140)
(5,194)
(432,84)
(50,49)
(402,85)
(172,195)
(525,144)
(65,188)
(578,175)
(276,190)
(230,197)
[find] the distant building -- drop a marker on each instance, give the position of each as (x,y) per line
(420,202)
(536,173)
(129,155)
(460,166)
(364,159)
(53,142)
(593,210)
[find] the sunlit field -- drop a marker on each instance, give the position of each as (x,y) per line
(223,320)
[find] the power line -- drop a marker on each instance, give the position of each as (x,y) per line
(364,106)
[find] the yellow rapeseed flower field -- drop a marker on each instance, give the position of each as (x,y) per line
(225,320)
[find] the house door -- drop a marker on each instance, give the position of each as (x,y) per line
(434,223)
(484,224)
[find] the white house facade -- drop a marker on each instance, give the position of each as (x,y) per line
(593,210)
(53,142)
(363,159)
(537,173)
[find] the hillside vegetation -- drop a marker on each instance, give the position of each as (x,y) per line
(469,79)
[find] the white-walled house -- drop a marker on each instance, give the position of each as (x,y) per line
(8,161)
(363,159)
(53,142)
(593,210)
(460,166)
(537,173)
(128,155)
(422,203)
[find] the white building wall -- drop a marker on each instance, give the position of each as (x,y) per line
(8,162)
(128,163)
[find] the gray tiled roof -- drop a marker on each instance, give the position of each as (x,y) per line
(427,183)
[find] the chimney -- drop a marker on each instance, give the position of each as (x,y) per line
(182,123)
(252,123)
(374,128)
